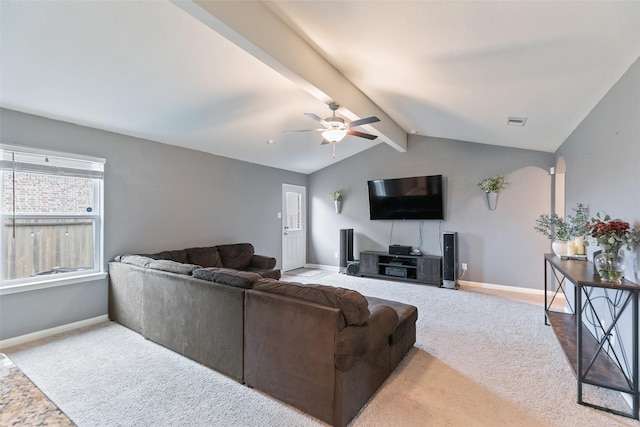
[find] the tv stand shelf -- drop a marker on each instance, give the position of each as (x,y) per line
(422,269)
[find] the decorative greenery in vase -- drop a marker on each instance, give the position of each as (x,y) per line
(555,227)
(578,222)
(493,185)
(336,196)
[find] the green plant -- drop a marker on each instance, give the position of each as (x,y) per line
(493,185)
(553,226)
(336,195)
(578,222)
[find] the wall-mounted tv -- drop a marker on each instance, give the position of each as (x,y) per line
(418,197)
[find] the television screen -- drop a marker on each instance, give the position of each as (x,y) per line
(417,197)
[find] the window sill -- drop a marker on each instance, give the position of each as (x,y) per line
(51,283)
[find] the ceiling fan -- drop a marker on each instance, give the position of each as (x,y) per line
(335,128)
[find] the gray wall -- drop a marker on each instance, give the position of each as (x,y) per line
(602,158)
(157,197)
(500,246)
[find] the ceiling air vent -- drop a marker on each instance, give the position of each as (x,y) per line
(516,121)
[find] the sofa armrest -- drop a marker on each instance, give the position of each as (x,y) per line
(354,342)
(261,261)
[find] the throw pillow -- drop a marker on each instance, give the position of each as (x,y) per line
(206,257)
(236,256)
(227,276)
(178,256)
(139,260)
(173,266)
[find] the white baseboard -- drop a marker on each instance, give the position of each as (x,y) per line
(469,284)
(23,339)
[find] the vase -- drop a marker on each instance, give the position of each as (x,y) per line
(338,204)
(610,265)
(559,247)
(492,200)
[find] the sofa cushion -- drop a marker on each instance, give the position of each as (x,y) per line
(178,256)
(266,273)
(173,266)
(227,276)
(139,260)
(353,305)
(236,256)
(206,257)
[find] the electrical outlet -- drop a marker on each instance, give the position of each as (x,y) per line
(335,255)
(464,266)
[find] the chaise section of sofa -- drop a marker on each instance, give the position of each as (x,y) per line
(321,349)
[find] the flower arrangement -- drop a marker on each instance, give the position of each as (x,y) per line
(336,196)
(612,234)
(493,185)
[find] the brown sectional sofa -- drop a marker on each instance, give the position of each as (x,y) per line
(322,349)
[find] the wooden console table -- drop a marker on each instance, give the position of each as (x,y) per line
(586,350)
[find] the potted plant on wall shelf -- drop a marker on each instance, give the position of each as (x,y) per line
(492,187)
(336,196)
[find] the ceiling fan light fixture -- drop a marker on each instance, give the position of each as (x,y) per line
(334,135)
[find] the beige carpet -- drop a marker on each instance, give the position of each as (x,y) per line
(479,360)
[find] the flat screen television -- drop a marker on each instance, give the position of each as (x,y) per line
(418,197)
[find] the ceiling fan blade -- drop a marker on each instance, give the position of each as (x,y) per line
(364,121)
(313,116)
(361,134)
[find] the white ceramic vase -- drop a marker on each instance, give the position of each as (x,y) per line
(559,247)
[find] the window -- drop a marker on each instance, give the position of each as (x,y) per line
(293,221)
(51,215)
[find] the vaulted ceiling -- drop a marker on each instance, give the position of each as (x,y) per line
(228,77)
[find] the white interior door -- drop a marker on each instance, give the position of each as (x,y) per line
(294,227)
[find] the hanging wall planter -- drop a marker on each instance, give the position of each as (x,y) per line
(492,200)
(492,187)
(336,196)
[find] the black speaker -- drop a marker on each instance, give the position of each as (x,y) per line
(353,268)
(346,248)
(450,259)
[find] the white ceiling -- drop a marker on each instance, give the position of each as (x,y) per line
(225,77)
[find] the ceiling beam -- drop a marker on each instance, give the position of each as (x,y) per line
(252,26)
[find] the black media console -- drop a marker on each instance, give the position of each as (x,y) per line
(423,269)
